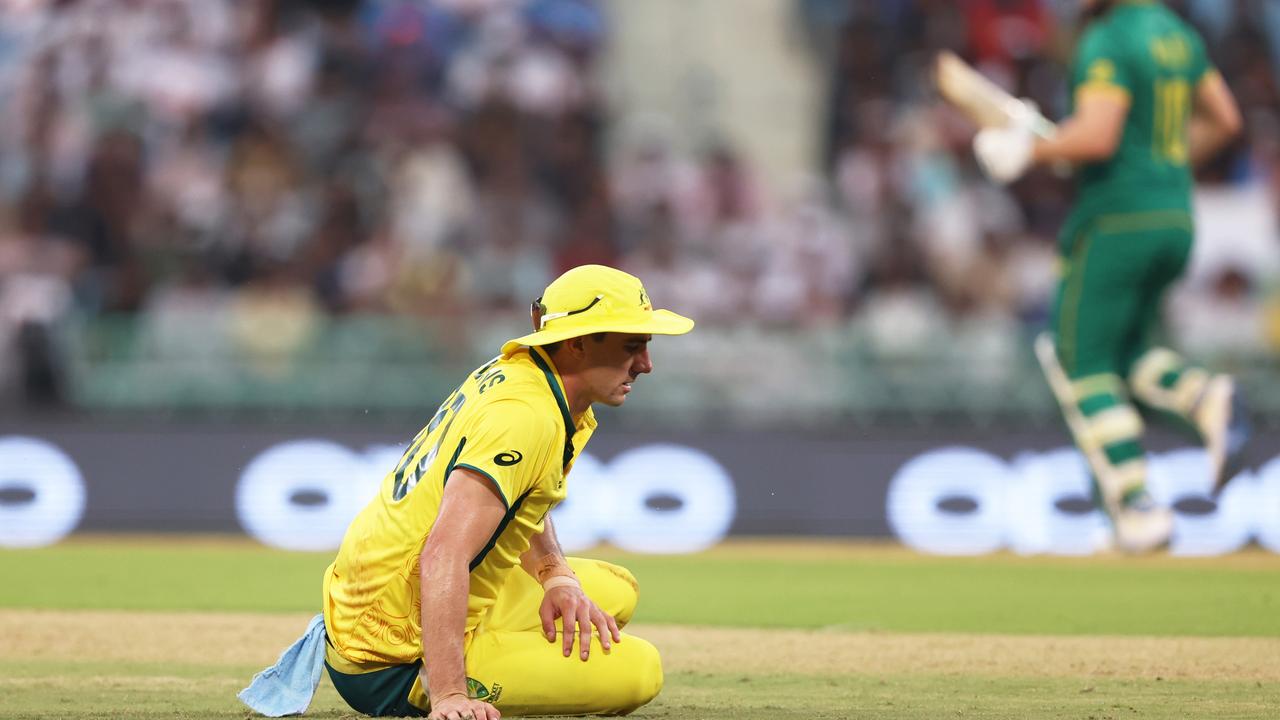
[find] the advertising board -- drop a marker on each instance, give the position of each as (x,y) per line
(938,492)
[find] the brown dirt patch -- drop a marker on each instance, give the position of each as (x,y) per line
(816,652)
(256,639)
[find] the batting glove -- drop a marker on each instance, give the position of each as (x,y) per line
(1004,153)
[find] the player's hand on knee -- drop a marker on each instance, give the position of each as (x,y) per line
(606,626)
(572,606)
(579,614)
(461,707)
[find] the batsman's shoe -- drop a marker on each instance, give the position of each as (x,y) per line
(1224,425)
(1141,525)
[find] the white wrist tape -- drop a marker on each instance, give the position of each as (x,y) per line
(560,581)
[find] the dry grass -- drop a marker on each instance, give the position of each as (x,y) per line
(225,639)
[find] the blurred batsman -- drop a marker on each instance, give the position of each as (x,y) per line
(425,613)
(1146,107)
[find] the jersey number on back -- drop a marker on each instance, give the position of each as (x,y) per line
(1173,105)
(406,479)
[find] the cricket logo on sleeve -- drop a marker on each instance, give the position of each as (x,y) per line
(1102,71)
(508,459)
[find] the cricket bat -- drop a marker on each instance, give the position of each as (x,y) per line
(981,100)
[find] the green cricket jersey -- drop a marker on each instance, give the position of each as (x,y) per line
(1145,54)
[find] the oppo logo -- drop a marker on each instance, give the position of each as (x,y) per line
(301,495)
(654,498)
(42,493)
(962,501)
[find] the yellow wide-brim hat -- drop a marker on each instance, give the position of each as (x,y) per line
(595,298)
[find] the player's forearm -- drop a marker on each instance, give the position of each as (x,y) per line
(529,560)
(541,545)
(1215,121)
(1075,142)
(545,560)
(445,585)
(1206,138)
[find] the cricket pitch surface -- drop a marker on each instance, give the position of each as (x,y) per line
(860,650)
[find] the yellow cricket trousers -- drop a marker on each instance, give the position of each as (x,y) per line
(511,665)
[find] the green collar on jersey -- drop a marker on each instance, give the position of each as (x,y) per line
(544,363)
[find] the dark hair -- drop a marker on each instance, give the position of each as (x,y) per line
(551,348)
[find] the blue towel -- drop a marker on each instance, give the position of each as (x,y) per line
(287,687)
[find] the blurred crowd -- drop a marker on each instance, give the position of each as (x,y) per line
(234,171)
(243,170)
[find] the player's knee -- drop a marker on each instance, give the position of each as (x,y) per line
(643,678)
(612,587)
(626,593)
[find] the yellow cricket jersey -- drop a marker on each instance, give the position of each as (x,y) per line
(509,422)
